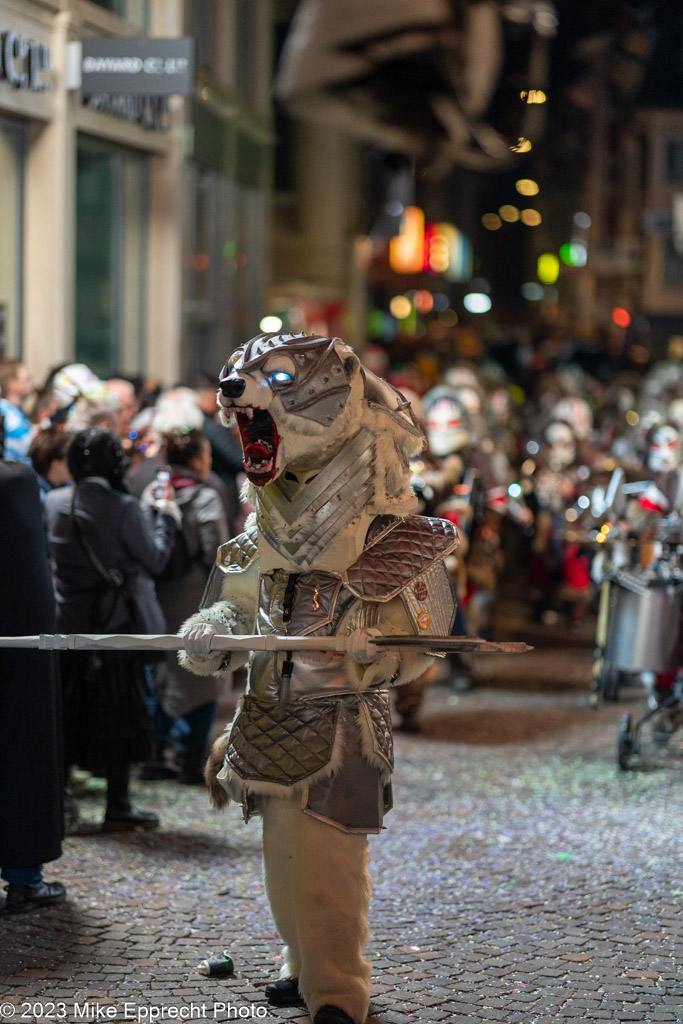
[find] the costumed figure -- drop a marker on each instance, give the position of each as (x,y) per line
(482,492)
(656,518)
(332,548)
(559,569)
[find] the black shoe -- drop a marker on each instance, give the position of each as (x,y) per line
(22,898)
(284,992)
(332,1015)
(128,821)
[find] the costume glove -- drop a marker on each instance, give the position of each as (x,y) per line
(361,647)
(197,640)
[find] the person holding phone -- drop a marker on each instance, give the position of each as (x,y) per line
(186,705)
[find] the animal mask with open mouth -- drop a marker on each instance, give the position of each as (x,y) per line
(275,378)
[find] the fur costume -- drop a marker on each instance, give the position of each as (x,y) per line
(332,548)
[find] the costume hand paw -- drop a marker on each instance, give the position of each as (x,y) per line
(361,647)
(197,640)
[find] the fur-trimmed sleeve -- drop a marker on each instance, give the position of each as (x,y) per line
(234,612)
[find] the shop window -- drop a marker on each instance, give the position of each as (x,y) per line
(674,162)
(11,255)
(134,11)
(673,265)
(203,16)
(111,217)
(209,270)
(247,42)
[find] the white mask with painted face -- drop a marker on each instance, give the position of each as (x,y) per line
(447,429)
(665,449)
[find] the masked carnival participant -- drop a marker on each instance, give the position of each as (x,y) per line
(559,570)
(331,549)
(656,516)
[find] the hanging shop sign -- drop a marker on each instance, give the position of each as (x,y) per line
(136,66)
(23,61)
(423,247)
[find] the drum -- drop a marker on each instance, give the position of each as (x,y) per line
(642,632)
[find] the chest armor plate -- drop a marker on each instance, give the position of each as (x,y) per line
(301,604)
(309,607)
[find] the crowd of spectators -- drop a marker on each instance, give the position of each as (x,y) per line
(136,486)
(115,497)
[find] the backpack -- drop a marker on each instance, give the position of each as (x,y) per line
(180,563)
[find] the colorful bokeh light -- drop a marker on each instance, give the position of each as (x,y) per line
(548,268)
(400,307)
(491,221)
(527,187)
(621,317)
(509,213)
(476,302)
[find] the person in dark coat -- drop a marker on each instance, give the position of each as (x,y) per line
(31,821)
(187,703)
(104,551)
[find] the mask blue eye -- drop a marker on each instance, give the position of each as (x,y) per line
(280,377)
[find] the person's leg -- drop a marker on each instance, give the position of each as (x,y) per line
(278,864)
(192,746)
(333,887)
(157,766)
(318,883)
(120,815)
(118,782)
(27,891)
(23,876)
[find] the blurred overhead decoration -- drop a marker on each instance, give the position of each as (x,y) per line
(443,81)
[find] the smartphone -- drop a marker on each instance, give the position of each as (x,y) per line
(163,475)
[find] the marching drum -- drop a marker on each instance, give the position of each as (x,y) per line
(642,633)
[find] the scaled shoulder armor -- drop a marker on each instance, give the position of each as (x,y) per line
(398,551)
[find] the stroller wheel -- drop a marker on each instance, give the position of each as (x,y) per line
(625,743)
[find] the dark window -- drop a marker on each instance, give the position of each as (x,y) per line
(674,161)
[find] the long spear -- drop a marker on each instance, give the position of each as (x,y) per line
(220,642)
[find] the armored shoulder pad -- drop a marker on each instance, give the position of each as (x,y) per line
(239,552)
(399,554)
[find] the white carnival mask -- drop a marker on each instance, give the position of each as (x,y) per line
(447,431)
(665,449)
(577,412)
(562,445)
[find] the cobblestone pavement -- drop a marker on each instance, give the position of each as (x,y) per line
(522,878)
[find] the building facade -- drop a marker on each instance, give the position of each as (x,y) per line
(134,226)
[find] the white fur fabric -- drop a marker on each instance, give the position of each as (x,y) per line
(235,613)
(318,884)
